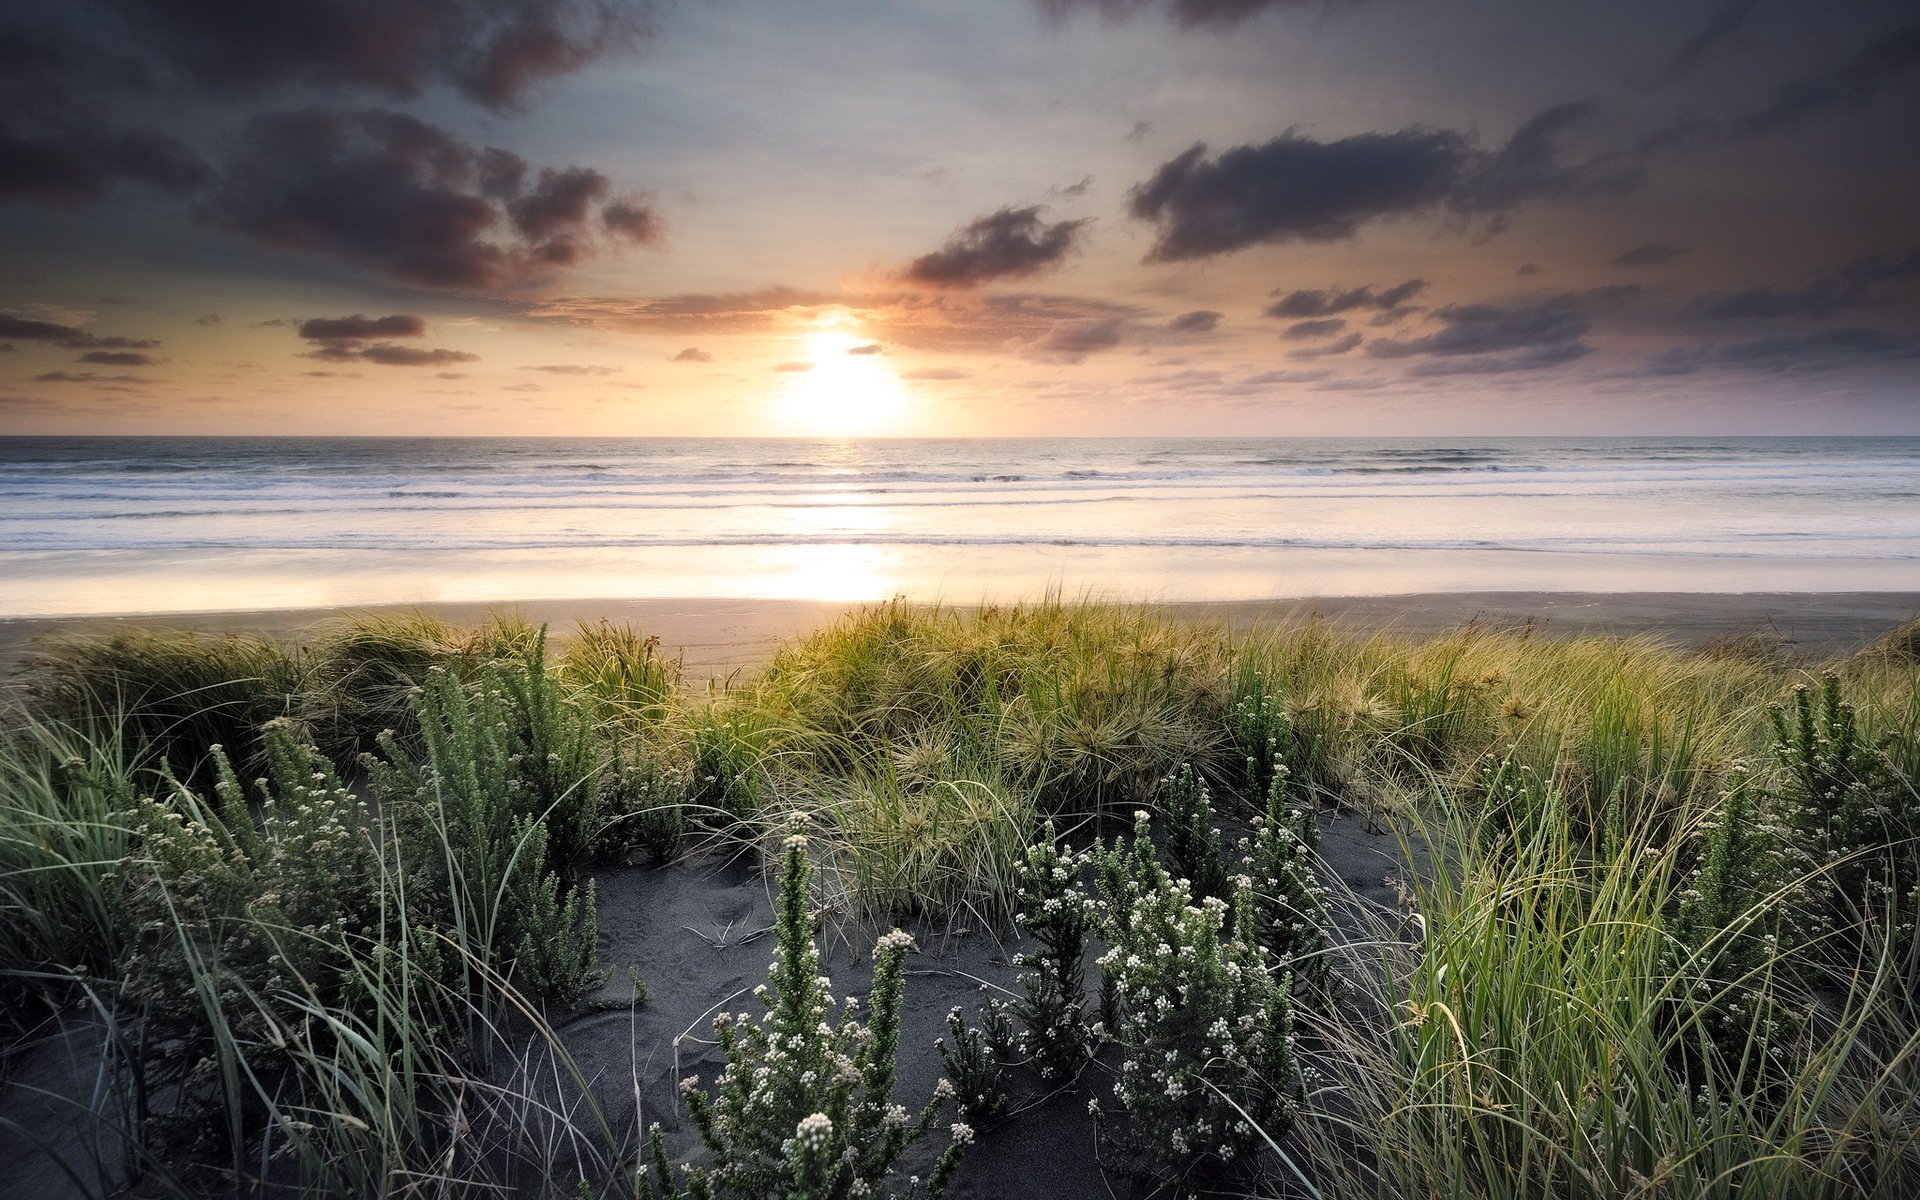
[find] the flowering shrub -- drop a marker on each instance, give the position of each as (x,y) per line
(1193,844)
(1205,1030)
(972,1063)
(1058,916)
(1289,906)
(239,925)
(804,1106)
(1852,805)
(1749,896)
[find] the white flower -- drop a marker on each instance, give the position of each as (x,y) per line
(962,1134)
(814,1131)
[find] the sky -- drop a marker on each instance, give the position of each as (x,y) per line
(998,217)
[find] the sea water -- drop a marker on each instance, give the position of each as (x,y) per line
(99,525)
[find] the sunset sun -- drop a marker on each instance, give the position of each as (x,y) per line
(842,388)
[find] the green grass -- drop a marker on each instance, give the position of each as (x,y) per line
(1550,1015)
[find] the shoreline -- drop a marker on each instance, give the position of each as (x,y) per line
(721,637)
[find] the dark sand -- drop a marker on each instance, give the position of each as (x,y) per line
(696,932)
(718,638)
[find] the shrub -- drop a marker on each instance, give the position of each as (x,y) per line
(1058,916)
(972,1064)
(1193,844)
(1205,1031)
(1289,905)
(804,1108)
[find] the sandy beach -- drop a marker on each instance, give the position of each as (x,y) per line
(716,638)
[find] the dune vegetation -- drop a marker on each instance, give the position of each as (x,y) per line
(320,908)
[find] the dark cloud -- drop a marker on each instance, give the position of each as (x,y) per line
(1295,189)
(1851,286)
(1187,14)
(492,51)
(207,319)
(692,354)
(1325,302)
(1338,345)
(359,327)
(8,348)
(86,377)
(1269,378)
(1511,338)
(1010,244)
(1526,269)
(1537,359)
(1849,84)
(1139,131)
(1071,342)
(1306,331)
(574,369)
(1723,24)
(936,373)
(1824,350)
(1198,321)
(632,218)
(406,198)
(71,337)
(75,155)
(868,348)
(793,367)
(117,358)
(1650,255)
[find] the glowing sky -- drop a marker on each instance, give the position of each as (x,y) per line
(934,217)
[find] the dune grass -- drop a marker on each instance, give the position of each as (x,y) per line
(1665,946)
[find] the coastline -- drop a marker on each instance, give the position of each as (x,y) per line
(717,638)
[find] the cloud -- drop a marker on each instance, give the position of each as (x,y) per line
(492,51)
(389,355)
(1319,302)
(1650,255)
(207,319)
(359,326)
(77,157)
(633,218)
(1337,346)
(1187,14)
(574,369)
(1198,321)
(1012,243)
(1527,269)
(1724,23)
(1487,339)
(1270,378)
(1536,359)
(1850,84)
(1070,342)
(1302,331)
(793,367)
(1824,350)
(692,312)
(936,373)
(868,348)
(8,348)
(118,358)
(692,354)
(1296,189)
(1848,287)
(86,377)
(71,337)
(405,198)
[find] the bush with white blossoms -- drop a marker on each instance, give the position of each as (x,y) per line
(1057,915)
(1289,905)
(804,1107)
(1193,841)
(1204,1029)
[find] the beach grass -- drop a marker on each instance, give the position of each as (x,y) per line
(1657,943)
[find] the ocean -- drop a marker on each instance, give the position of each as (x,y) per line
(118,524)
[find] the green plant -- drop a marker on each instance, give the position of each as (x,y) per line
(1289,905)
(1058,916)
(804,1107)
(1205,1031)
(1193,843)
(972,1065)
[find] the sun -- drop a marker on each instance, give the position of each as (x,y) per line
(844,389)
